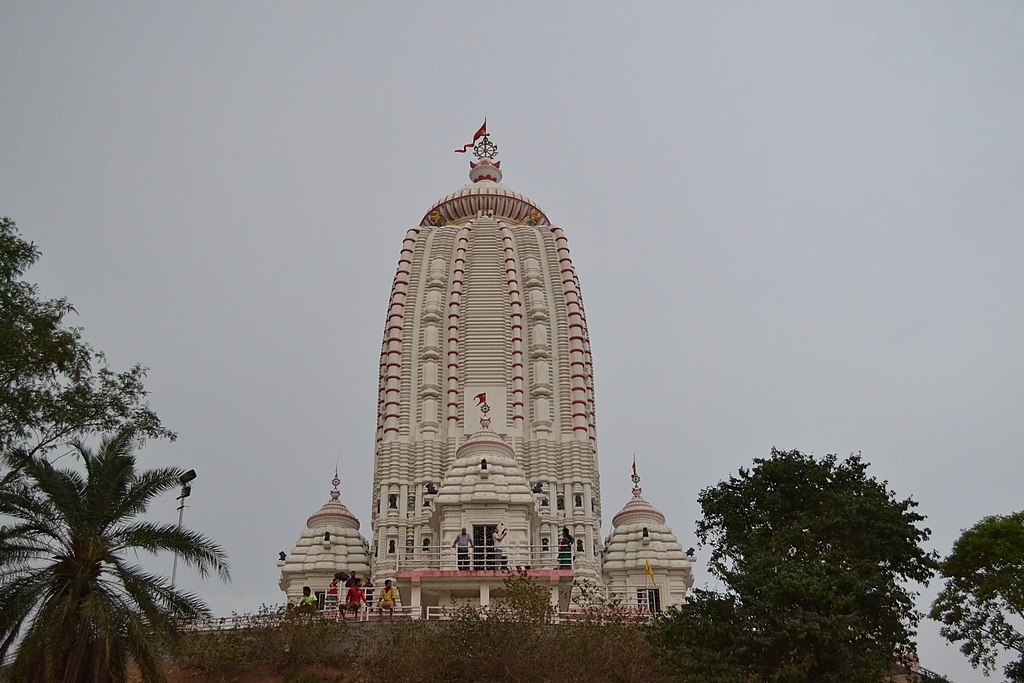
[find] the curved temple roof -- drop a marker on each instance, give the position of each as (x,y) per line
(484,193)
(329,543)
(639,534)
(502,480)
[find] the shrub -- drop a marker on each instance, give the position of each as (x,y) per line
(269,637)
(514,640)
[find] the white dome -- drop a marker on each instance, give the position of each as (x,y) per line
(628,548)
(484,193)
(467,480)
(330,543)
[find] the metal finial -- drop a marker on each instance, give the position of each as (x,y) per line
(484,148)
(485,422)
(335,493)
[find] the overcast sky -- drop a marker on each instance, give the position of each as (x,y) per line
(795,225)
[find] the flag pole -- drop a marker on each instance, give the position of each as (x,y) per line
(647,595)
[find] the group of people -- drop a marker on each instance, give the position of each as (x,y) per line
(387,597)
(355,596)
(499,558)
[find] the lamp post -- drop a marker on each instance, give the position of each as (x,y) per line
(186,491)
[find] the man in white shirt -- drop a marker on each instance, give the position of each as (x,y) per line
(498,539)
(463,542)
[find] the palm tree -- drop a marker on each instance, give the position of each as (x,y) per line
(72,602)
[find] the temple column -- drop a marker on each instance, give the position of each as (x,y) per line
(415,600)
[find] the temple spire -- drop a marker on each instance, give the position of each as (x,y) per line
(485,167)
(485,421)
(636,480)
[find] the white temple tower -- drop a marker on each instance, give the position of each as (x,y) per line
(485,305)
(486,420)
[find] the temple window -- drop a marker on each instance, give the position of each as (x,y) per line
(560,503)
(393,501)
(579,500)
(649,599)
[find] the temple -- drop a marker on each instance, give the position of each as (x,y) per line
(486,422)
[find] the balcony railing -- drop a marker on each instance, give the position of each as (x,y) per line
(367,613)
(511,558)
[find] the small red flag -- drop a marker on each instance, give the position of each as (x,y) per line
(476,136)
(634,465)
(480,398)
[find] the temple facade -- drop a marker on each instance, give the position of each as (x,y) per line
(486,417)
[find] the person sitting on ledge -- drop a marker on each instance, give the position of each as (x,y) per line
(354,599)
(387,598)
(308,601)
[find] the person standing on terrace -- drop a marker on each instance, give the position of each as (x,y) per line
(463,542)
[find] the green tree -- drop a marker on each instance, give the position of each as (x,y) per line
(54,387)
(814,556)
(982,604)
(72,601)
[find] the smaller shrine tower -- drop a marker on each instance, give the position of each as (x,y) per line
(643,562)
(331,542)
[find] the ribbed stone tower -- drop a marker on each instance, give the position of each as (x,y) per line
(330,542)
(643,561)
(485,310)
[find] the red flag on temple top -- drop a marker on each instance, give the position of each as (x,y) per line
(476,136)
(634,465)
(480,398)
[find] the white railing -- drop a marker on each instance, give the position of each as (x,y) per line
(597,616)
(331,602)
(433,612)
(437,613)
(233,622)
(445,613)
(367,613)
(637,598)
(511,557)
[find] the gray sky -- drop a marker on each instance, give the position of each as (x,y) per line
(795,224)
